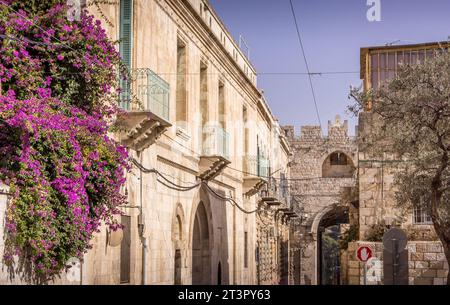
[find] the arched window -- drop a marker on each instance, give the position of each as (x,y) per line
(338,158)
(179,229)
(178,239)
(338,165)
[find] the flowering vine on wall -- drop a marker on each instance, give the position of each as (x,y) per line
(56,105)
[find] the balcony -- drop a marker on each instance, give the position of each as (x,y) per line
(215,155)
(145,97)
(255,174)
(276,193)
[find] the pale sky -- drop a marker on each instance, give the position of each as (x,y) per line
(333,32)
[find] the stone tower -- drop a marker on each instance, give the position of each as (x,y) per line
(322,167)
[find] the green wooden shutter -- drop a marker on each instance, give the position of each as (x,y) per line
(126,15)
(126,45)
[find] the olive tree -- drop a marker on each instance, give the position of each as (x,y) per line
(410,120)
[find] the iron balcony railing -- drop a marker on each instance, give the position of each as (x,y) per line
(284,191)
(263,167)
(151,91)
(215,142)
(278,188)
(255,166)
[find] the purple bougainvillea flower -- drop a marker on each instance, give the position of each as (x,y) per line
(65,174)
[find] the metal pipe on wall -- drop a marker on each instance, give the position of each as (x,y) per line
(141,227)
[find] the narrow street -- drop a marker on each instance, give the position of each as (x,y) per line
(202,143)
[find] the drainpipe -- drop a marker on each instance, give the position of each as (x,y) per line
(142,227)
(144,260)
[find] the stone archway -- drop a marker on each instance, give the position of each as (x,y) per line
(338,164)
(331,216)
(201,252)
(178,240)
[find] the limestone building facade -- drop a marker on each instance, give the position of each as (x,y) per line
(197,117)
(322,167)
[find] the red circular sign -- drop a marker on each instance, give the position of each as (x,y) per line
(364,253)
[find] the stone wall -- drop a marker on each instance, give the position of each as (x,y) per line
(157,26)
(315,195)
(272,237)
(426,261)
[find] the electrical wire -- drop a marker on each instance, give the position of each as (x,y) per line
(229,167)
(175,188)
(180,188)
(231,200)
(320,73)
(172,185)
(306,63)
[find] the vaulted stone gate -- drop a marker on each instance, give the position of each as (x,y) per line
(322,167)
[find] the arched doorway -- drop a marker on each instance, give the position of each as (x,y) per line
(178,238)
(201,255)
(326,228)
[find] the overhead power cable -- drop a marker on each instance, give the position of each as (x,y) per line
(167,182)
(230,199)
(306,63)
(181,188)
(240,171)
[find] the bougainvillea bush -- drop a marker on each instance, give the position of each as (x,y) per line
(57,101)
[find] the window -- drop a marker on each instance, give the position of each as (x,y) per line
(338,165)
(245,249)
(181,104)
(177,267)
(385,65)
(283,185)
(338,159)
(391,65)
(421,56)
(222,114)
(125,251)
(421,216)
(126,30)
(179,229)
(246,131)
(204,93)
(126,47)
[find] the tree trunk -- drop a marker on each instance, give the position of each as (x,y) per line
(442,233)
(446,245)
(442,230)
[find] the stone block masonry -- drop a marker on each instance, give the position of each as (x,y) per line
(427,264)
(317,182)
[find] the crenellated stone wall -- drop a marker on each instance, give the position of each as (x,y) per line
(315,195)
